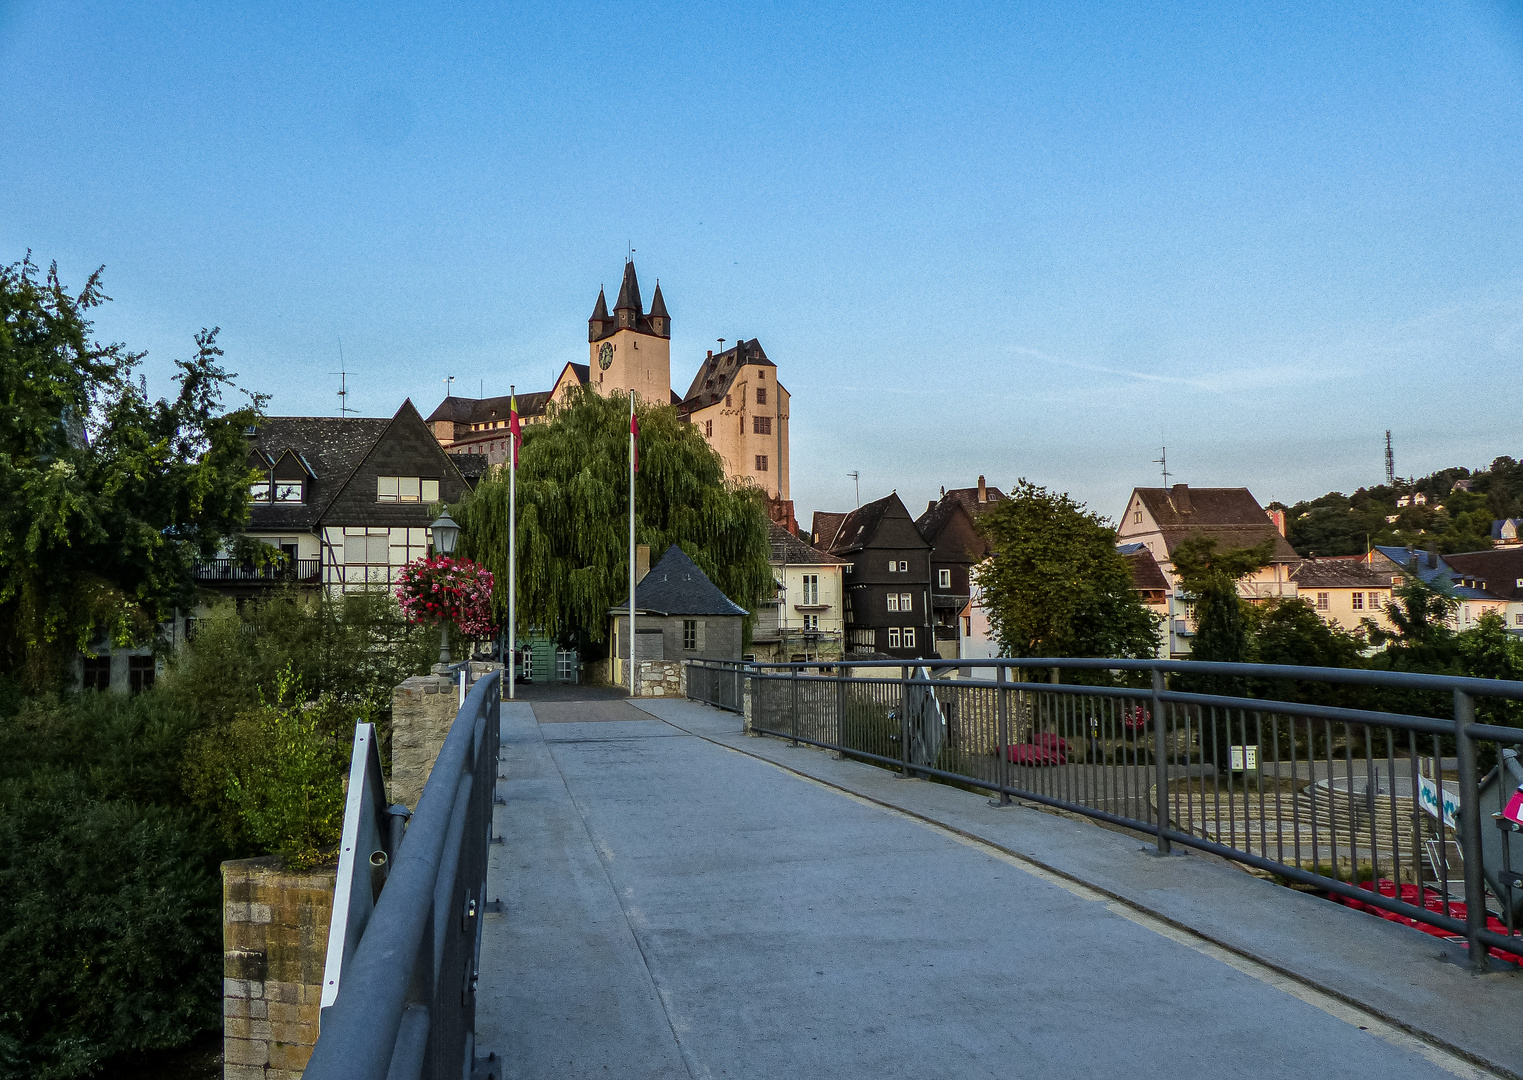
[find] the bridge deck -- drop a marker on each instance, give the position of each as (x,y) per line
(675,908)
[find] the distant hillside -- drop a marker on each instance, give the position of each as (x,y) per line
(1451,520)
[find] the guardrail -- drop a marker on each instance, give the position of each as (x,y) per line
(408,911)
(1350,781)
(234,570)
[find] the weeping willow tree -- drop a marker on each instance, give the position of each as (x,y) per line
(573,523)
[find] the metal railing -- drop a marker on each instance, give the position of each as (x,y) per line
(404,993)
(235,571)
(1378,787)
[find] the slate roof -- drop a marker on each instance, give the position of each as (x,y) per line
(861,525)
(824,527)
(939,513)
(1146,577)
(791,550)
(1230,516)
(472,466)
(1434,567)
(456,409)
(717,373)
(332,448)
(1501,569)
(468,411)
(1339,574)
(675,586)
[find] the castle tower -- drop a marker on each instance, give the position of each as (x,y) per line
(631,349)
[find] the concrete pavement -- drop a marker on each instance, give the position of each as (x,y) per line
(678,906)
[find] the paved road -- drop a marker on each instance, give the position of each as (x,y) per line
(677,909)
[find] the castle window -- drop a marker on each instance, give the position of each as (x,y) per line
(761,462)
(761,425)
(762,374)
(727,401)
(761,395)
(708,429)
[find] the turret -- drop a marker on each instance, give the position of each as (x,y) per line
(597,326)
(660,321)
(627,309)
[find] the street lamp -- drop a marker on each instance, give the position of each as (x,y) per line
(446,532)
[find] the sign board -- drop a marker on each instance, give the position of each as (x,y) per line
(1513,811)
(1428,795)
(1245,759)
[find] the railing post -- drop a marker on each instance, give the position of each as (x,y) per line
(1470,830)
(840,739)
(1002,711)
(793,696)
(904,723)
(1160,765)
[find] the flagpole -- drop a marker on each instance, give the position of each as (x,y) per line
(631,543)
(512,545)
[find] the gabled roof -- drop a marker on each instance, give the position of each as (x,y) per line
(788,549)
(331,446)
(1230,516)
(824,528)
(1507,529)
(941,512)
(675,586)
(860,527)
(1339,574)
(717,373)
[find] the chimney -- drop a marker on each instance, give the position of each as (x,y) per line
(710,356)
(642,562)
(1432,559)
(983,492)
(1278,517)
(1180,497)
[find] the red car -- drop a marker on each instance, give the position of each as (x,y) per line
(1045,748)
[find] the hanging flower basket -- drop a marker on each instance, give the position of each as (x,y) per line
(442,588)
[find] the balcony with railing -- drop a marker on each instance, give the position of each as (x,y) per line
(238,572)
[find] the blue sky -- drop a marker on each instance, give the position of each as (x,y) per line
(1018,240)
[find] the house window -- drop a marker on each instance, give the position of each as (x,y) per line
(407,489)
(565,666)
(690,634)
(288,491)
(1518,618)
(905,603)
(761,395)
(259,492)
(893,637)
(97,674)
(761,425)
(893,601)
(140,673)
(1375,601)
(708,429)
(1356,601)
(893,565)
(943,579)
(909,637)
(1322,601)
(904,567)
(367,550)
(967,626)
(811,589)
(761,462)
(812,622)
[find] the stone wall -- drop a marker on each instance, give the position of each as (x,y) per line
(661,678)
(422,710)
(274,942)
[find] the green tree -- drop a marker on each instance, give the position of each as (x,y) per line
(107,498)
(1488,651)
(1290,632)
(1056,585)
(573,506)
(1210,577)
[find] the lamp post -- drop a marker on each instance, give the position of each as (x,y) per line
(446,532)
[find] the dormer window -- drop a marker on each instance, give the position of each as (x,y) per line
(259,491)
(288,491)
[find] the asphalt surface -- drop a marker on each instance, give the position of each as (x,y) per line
(682,900)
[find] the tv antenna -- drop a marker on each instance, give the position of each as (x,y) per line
(1390,462)
(1163,460)
(857,479)
(343,382)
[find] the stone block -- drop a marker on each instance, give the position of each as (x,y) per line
(244,1072)
(245,1052)
(291,1056)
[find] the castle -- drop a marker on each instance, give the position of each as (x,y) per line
(735,399)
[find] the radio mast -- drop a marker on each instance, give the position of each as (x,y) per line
(1390,462)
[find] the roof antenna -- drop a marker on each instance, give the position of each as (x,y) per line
(343,382)
(857,479)
(449,382)
(1163,459)
(721,344)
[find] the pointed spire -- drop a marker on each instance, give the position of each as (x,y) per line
(600,312)
(629,291)
(657,304)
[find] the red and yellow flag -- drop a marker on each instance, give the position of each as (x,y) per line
(516,429)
